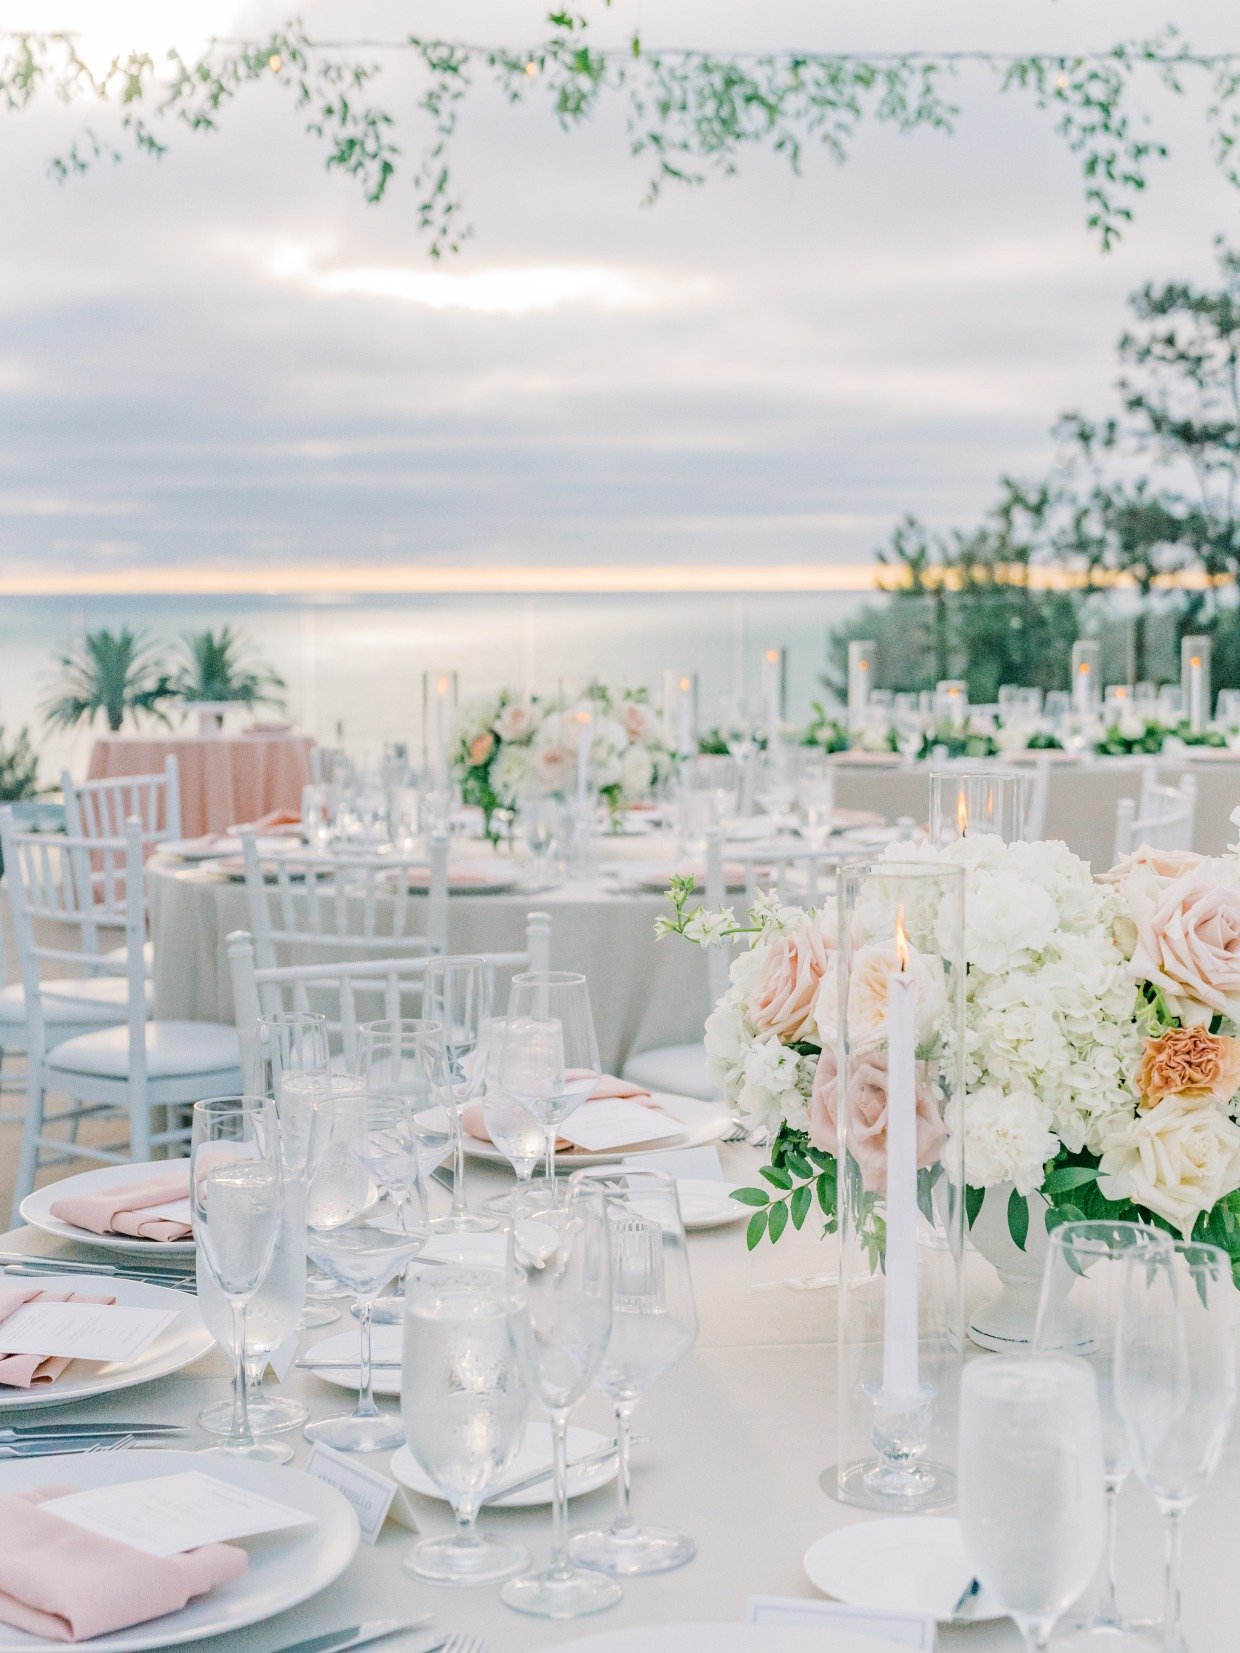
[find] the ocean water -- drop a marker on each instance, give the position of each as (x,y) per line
(355,666)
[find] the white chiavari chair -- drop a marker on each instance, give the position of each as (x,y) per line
(103,808)
(349,992)
(124,1070)
(1166,819)
(309,905)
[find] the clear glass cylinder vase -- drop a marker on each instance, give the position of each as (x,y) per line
(987,799)
(896,1094)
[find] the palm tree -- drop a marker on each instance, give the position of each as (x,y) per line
(215,667)
(113,673)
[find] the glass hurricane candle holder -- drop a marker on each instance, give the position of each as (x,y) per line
(890,1091)
(1195,682)
(975,801)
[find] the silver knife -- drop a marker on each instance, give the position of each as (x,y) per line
(362,1635)
(591,1461)
(39,1431)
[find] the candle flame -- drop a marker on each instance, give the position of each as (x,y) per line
(962,812)
(584,717)
(1084,668)
(902,949)
(1195,661)
(686,684)
(772,657)
(442,686)
(1121,693)
(863,665)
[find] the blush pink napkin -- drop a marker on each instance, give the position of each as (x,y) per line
(119,1209)
(476,1126)
(64,1583)
(29,1371)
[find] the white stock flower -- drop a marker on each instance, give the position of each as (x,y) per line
(710,929)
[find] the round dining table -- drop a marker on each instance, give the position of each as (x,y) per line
(730,1448)
(223,778)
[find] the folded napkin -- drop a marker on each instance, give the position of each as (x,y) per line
(608,1087)
(275,820)
(64,1583)
(120,1209)
(25,1371)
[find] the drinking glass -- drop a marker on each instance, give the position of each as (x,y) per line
(550,1060)
(816,797)
(464,1402)
(290,1061)
(236,1195)
(559,1319)
(514,1130)
(773,787)
(1032,1505)
(403,818)
(653,1326)
(318,816)
(365,1219)
(1079,1313)
(542,822)
(457,995)
(697,813)
(1175,1386)
(715,772)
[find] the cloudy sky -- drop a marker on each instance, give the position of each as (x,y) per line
(227,360)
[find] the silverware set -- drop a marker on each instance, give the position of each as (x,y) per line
(377,1630)
(20,1265)
(44,1440)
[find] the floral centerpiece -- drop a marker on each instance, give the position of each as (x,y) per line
(492,741)
(1102,1063)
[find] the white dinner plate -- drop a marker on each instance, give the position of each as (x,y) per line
(470,878)
(728,1638)
(385,1345)
(905,1564)
(535,1454)
(225,844)
(285,1567)
(703,1122)
(707,1204)
(182,1342)
(36,1209)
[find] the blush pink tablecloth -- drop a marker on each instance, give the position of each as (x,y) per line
(224,778)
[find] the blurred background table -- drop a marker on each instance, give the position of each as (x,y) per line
(224,778)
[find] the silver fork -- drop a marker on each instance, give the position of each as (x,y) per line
(465,1644)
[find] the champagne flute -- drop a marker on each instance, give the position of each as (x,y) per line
(457,995)
(236,1197)
(464,1402)
(1032,1504)
(1175,1386)
(559,1319)
(1079,1313)
(654,1325)
(290,1061)
(550,1059)
(365,1219)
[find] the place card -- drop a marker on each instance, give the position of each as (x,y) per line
(616,1122)
(373,1496)
(172,1513)
(888,1629)
(283,1355)
(83,1331)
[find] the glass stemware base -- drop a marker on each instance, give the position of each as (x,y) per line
(320,1313)
(356,1433)
(561,1593)
(629,1552)
(457,1559)
(267,1450)
(269,1415)
(464,1222)
(1108,1638)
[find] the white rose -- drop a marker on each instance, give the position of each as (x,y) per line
(1177,1159)
(517,721)
(638,720)
(870,989)
(1007,1137)
(636,772)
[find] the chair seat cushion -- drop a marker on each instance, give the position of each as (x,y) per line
(681,1069)
(101,999)
(120,955)
(174,1050)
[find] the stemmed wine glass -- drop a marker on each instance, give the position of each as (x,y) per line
(1175,1386)
(511,1126)
(457,995)
(464,1402)
(1079,1313)
(1032,1505)
(236,1194)
(550,1061)
(290,1061)
(654,1325)
(559,1319)
(365,1219)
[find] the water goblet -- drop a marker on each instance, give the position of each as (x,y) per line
(550,1059)
(654,1325)
(457,995)
(1078,1313)
(1032,1504)
(511,1126)
(365,1220)
(236,1195)
(464,1403)
(1175,1387)
(559,1319)
(318,816)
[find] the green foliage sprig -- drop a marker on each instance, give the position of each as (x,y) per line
(798,1177)
(688,113)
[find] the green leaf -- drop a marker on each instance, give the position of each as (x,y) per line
(973,1200)
(776,1177)
(778,1219)
(751,1196)
(1018,1219)
(798,1164)
(1068,1177)
(757,1227)
(825,1189)
(802,1199)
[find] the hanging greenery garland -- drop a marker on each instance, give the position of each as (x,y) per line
(688,113)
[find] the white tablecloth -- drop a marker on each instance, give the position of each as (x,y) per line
(735,1440)
(644,992)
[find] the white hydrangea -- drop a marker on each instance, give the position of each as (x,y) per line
(1008,1136)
